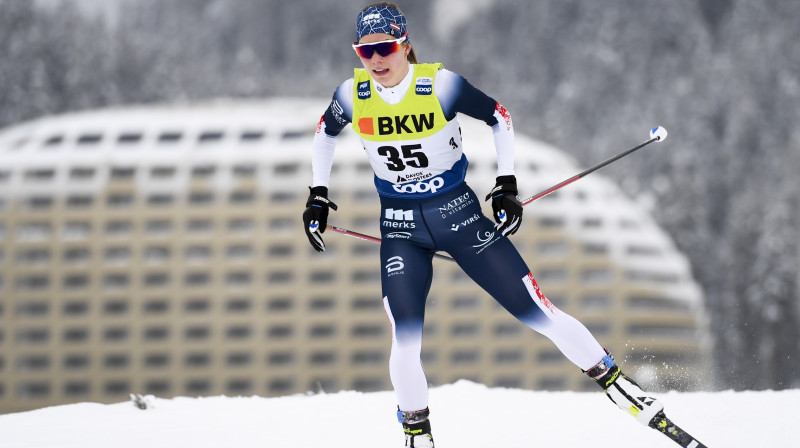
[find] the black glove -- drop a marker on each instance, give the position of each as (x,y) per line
(505,205)
(315,218)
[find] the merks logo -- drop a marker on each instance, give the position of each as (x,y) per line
(398,219)
(399,215)
(407,124)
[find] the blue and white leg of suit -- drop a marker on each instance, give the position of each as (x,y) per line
(412,230)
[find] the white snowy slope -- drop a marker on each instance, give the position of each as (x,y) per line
(464,415)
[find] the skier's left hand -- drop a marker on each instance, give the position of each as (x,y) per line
(505,205)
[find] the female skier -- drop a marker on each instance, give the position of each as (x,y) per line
(405,113)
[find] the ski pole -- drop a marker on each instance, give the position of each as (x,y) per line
(657,134)
(371,239)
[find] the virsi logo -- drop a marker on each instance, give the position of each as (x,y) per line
(398,219)
(393,265)
(420,187)
(468,221)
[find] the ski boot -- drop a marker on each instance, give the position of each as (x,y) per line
(624,392)
(629,397)
(416,427)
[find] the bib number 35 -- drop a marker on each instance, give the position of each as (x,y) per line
(407,155)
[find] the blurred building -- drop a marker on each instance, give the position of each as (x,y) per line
(159,250)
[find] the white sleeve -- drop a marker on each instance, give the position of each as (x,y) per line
(336,117)
(322,150)
(504,141)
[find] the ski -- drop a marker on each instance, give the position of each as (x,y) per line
(665,426)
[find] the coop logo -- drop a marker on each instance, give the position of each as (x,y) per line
(456,205)
(364,91)
(399,219)
(424,86)
(432,186)
(394,266)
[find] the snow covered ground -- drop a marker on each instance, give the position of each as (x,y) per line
(461,415)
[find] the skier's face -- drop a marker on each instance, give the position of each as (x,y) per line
(386,70)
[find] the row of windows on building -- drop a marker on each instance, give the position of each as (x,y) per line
(165,172)
(86,173)
(275,386)
(122,387)
(71,230)
(40,230)
(123,281)
(126,200)
(40,256)
(127,254)
(166,138)
(198,360)
(78,174)
(33,309)
(77,230)
(122,172)
(76,308)
(110,362)
(111,334)
(242,332)
(244,279)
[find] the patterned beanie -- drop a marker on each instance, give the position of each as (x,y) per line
(381,19)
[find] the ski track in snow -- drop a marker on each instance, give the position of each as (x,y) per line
(463,415)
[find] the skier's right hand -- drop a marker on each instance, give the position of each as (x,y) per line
(505,205)
(315,218)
